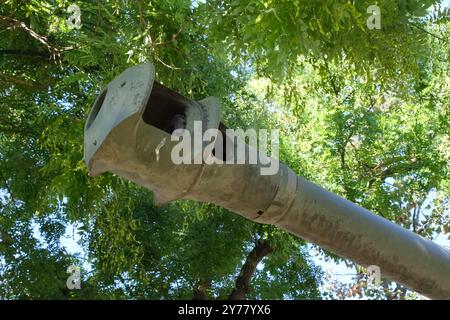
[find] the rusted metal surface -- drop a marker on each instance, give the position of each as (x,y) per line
(128,133)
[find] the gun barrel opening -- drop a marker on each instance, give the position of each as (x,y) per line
(166,109)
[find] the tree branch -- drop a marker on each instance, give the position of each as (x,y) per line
(331,79)
(23,53)
(428,32)
(24,83)
(201,290)
(242,288)
(52,49)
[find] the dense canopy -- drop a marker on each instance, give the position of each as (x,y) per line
(363,112)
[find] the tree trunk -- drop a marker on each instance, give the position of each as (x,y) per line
(201,290)
(242,288)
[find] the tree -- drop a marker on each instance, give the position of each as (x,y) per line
(317,74)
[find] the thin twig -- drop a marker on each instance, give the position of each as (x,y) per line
(428,32)
(52,49)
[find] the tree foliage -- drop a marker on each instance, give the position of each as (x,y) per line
(363,112)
